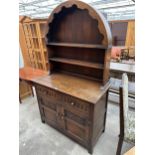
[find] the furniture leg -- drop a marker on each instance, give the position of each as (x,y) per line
(105,114)
(119,146)
(90,150)
(32,90)
(20,101)
(42,120)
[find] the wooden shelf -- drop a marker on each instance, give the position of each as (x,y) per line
(31,37)
(78,62)
(95,46)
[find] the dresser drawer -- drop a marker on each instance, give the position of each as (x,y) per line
(46,92)
(70,103)
(78,107)
(48,103)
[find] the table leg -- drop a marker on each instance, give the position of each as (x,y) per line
(32,90)
(20,101)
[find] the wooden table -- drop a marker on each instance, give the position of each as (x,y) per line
(131,151)
(27,74)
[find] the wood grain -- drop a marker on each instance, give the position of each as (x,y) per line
(78,62)
(77,45)
(81,88)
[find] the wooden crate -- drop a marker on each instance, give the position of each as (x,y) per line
(24,89)
(32,42)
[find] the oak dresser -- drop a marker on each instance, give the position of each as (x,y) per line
(73,97)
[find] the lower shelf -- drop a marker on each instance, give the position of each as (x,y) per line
(78,62)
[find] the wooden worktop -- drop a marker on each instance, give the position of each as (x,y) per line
(29,73)
(78,87)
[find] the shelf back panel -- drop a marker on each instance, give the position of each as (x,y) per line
(74,25)
(90,55)
(79,70)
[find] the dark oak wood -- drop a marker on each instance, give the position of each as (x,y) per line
(73,97)
(77,45)
(85,89)
(75,105)
(78,62)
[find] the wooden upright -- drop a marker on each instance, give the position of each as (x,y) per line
(73,97)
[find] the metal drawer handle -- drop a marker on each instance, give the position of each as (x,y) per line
(72,103)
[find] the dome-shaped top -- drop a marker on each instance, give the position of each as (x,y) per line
(77,22)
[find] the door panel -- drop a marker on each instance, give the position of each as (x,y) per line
(50,115)
(77,126)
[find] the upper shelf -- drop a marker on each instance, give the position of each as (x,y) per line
(95,46)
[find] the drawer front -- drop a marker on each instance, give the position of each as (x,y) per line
(47,93)
(78,107)
(48,103)
(73,104)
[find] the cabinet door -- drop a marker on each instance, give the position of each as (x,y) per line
(77,126)
(48,110)
(50,115)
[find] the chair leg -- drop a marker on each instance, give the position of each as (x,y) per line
(119,146)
